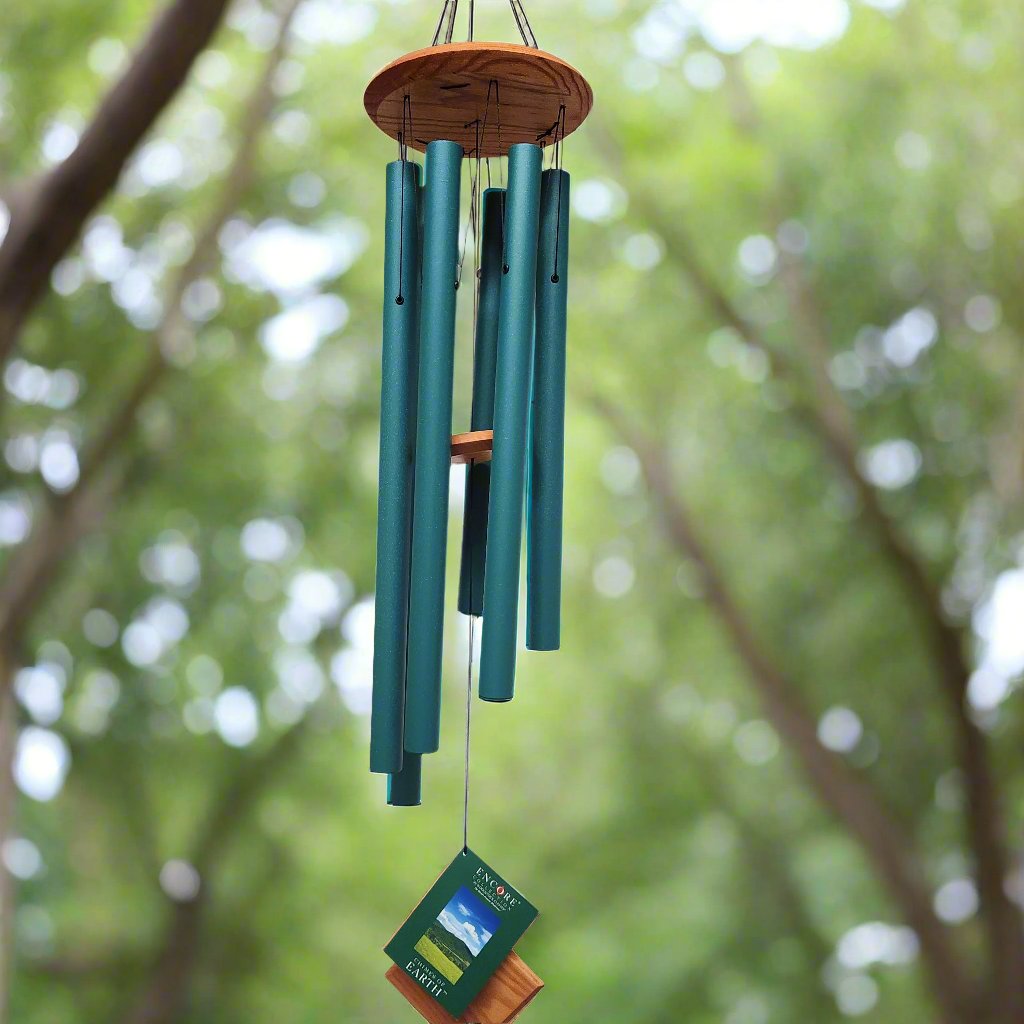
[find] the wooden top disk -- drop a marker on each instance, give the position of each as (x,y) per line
(448,88)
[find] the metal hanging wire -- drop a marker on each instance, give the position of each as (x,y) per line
(523,24)
(446,23)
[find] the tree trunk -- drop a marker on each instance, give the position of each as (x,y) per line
(50,214)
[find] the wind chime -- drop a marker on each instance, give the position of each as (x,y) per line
(474,105)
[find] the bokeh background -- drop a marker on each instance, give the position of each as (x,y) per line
(774,775)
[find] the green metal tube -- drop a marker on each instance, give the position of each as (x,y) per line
(399,359)
(478,475)
(511,417)
(547,466)
(433,446)
(405,788)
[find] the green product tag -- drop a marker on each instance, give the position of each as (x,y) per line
(461,932)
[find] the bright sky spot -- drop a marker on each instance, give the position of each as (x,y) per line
(913,151)
(914,333)
(876,942)
(757,257)
(180,881)
(756,742)
(58,461)
(333,22)
(840,729)
(983,313)
(703,70)
(307,190)
(22,857)
(620,470)
(856,995)
(236,716)
(95,700)
(598,200)
(168,618)
(40,691)
(205,675)
(732,25)
(100,627)
(41,763)
(104,250)
(352,666)
(159,163)
(36,385)
(892,464)
(15,518)
(299,674)
(957,901)
(59,141)
(319,593)
(171,562)
(265,540)
(998,622)
(141,644)
(294,335)
(643,251)
(290,260)
(614,576)
(107,56)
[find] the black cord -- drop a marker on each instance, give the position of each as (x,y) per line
(440,24)
(450,31)
(523,24)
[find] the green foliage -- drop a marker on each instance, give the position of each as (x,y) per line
(683,867)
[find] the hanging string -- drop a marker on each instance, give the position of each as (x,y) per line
(403,155)
(476,217)
(501,145)
(451,7)
(474,190)
(469,713)
(559,143)
(451,22)
(523,24)
(440,23)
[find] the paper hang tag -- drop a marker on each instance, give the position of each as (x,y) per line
(461,932)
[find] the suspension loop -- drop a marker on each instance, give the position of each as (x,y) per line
(450,30)
(440,24)
(523,24)
(446,23)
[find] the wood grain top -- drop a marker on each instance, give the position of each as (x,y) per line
(454,89)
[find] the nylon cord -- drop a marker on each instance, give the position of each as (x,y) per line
(469,713)
(477,221)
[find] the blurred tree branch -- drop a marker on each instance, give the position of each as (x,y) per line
(834,422)
(48,216)
(849,796)
(8,797)
(824,413)
(35,565)
(163,994)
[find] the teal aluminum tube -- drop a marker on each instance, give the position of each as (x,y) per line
(433,446)
(547,456)
(511,419)
(405,788)
(399,359)
(478,475)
